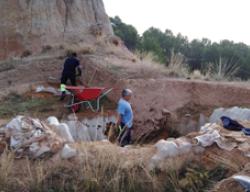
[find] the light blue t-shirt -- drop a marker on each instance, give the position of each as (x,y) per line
(124,109)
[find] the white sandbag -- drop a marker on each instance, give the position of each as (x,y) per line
(34,147)
(52,90)
(243,180)
(2,130)
(72,117)
(72,128)
(208,127)
(225,144)
(13,130)
(154,162)
(43,149)
(64,132)
(236,113)
(39,138)
(207,139)
(95,128)
(53,121)
(100,135)
(14,142)
(68,152)
(215,117)
(247,154)
(91,124)
(26,125)
(166,149)
(36,150)
(15,124)
(37,123)
(183,146)
(83,133)
(78,131)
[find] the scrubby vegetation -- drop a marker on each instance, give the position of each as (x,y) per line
(15,104)
(224,60)
(102,168)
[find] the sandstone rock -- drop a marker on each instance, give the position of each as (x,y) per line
(28,26)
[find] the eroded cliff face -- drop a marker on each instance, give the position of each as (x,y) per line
(29,25)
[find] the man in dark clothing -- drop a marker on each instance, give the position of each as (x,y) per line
(69,72)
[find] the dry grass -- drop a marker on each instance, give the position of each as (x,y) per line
(104,167)
(196,74)
(15,104)
(148,64)
(6,164)
(177,66)
(222,70)
(99,167)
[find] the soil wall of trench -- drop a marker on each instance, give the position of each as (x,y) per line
(168,105)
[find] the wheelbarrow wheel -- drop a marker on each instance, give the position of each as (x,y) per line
(73,107)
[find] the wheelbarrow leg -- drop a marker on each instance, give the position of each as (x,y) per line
(98,100)
(73,105)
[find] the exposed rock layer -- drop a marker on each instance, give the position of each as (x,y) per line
(30,25)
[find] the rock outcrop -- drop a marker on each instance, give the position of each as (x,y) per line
(31,25)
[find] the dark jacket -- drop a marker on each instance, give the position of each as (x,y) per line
(70,66)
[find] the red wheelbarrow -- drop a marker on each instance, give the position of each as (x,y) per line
(80,95)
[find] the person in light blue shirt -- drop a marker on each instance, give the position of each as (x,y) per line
(125,117)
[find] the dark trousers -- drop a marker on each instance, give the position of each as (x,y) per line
(71,77)
(64,80)
(125,136)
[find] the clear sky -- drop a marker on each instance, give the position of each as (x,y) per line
(213,19)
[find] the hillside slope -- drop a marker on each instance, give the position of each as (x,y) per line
(31,26)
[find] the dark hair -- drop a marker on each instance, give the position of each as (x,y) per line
(126,92)
(74,54)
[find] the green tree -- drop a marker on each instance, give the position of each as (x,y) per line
(127,33)
(199,54)
(152,41)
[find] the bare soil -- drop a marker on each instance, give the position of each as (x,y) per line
(115,67)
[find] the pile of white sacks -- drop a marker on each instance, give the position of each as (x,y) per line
(35,138)
(209,134)
(236,113)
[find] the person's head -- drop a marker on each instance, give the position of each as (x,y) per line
(74,54)
(126,94)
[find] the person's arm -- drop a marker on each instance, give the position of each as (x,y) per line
(78,68)
(79,71)
(120,112)
(119,120)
